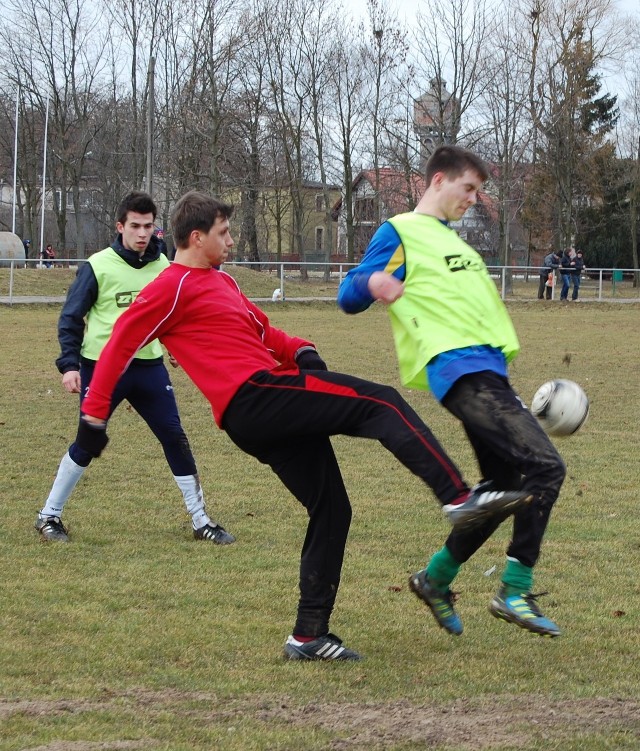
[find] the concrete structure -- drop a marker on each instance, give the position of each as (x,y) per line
(433,119)
(11,248)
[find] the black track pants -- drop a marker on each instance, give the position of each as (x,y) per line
(148,390)
(285,421)
(512,450)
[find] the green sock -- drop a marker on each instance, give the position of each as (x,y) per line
(517,578)
(442,569)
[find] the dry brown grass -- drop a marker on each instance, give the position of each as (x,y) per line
(135,636)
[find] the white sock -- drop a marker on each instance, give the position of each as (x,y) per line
(67,478)
(193,499)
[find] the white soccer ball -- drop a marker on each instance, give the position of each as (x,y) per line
(277,294)
(561,407)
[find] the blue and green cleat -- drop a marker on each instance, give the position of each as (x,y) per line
(522,609)
(439,603)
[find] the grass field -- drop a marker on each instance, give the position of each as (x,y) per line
(134,636)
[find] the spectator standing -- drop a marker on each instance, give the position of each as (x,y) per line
(159,233)
(551,263)
(577,274)
(567,271)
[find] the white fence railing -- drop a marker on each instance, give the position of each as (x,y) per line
(281,281)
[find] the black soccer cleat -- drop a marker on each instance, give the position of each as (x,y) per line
(482,503)
(327,647)
(214,533)
(51,529)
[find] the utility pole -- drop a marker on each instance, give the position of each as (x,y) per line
(634,204)
(44,180)
(150,118)
(15,163)
(377,33)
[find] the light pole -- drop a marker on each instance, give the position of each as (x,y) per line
(150,119)
(15,162)
(377,33)
(44,180)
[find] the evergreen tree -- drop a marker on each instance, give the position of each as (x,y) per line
(571,146)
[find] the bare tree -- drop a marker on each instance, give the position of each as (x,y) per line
(288,85)
(448,47)
(61,63)
(172,73)
(569,42)
(629,145)
(385,50)
(250,137)
(505,100)
(317,26)
(220,39)
(134,24)
(349,91)
(268,101)
(29,157)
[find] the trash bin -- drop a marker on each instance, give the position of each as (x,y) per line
(617,275)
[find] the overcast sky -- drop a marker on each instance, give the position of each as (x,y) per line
(407,8)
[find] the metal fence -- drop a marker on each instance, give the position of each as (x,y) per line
(32,282)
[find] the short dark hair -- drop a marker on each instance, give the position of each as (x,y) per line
(196,210)
(138,202)
(454,161)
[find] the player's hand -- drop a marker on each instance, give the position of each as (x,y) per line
(92,435)
(309,359)
(71,381)
(385,287)
(172,361)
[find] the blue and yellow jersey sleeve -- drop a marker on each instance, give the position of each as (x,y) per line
(384,253)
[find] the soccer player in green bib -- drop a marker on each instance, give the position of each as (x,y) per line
(103,289)
(453,336)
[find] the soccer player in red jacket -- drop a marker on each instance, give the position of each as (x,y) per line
(275,398)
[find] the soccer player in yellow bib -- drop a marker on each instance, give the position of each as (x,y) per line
(104,288)
(453,336)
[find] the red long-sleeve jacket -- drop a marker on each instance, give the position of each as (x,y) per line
(218,336)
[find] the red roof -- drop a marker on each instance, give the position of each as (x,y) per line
(400,194)
(398,191)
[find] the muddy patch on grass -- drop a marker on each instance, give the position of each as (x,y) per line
(486,724)
(478,724)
